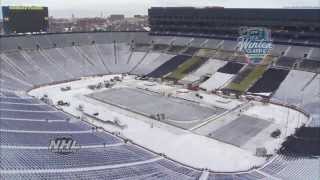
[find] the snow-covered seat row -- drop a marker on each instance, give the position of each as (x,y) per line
(284,61)
(151,62)
(212,43)
(152,171)
(48,66)
(25,107)
(315,54)
(298,52)
(90,54)
(43,139)
(18,100)
(182,41)
(198,42)
(34,74)
(122,58)
(301,81)
(10,82)
(222,77)
(229,45)
(308,168)
(278,49)
(209,68)
(85,157)
(72,54)
(43,125)
(37,115)
(216,81)
(10,69)
(310,65)
(277,165)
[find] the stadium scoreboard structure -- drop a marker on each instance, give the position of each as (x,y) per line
(219,21)
(25,19)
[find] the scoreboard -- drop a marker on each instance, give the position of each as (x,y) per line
(25,19)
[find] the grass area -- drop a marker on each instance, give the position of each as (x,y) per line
(249,79)
(191,64)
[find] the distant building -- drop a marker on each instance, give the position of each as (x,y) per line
(140,16)
(116,17)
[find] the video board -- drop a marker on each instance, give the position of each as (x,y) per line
(25,19)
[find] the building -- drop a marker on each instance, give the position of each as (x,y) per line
(116,17)
(296,24)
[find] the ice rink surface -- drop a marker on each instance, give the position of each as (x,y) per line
(241,130)
(150,103)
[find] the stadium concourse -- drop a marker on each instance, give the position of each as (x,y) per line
(43,61)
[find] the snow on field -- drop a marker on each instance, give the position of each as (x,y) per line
(220,101)
(216,81)
(285,119)
(210,67)
(181,145)
(277,114)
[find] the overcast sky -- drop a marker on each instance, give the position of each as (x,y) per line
(91,8)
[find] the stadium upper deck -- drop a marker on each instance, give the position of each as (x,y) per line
(225,22)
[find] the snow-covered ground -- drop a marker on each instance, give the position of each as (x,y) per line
(216,81)
(182,145)
(211,67)
(285,119)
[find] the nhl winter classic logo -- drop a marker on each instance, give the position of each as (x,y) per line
(64,145)
(255,43)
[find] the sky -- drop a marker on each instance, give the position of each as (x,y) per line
(94,8)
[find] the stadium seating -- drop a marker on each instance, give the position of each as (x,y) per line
(300,80)
(151,62)
(198,42)
(298,52)
(305,142)
(231,68)
(286,62)
(35,75)
(153,171)
(168,66)
(43,125)
(54,73)
(181,41)
(216,81)
(269,82)
(229,45)
(209,68)
(187,67)
(212,43)
(44,159)
(279,50)
(21,138)
(315,53)
(310,65)
(28,125)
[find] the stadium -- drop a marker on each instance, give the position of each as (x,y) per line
(177,102)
